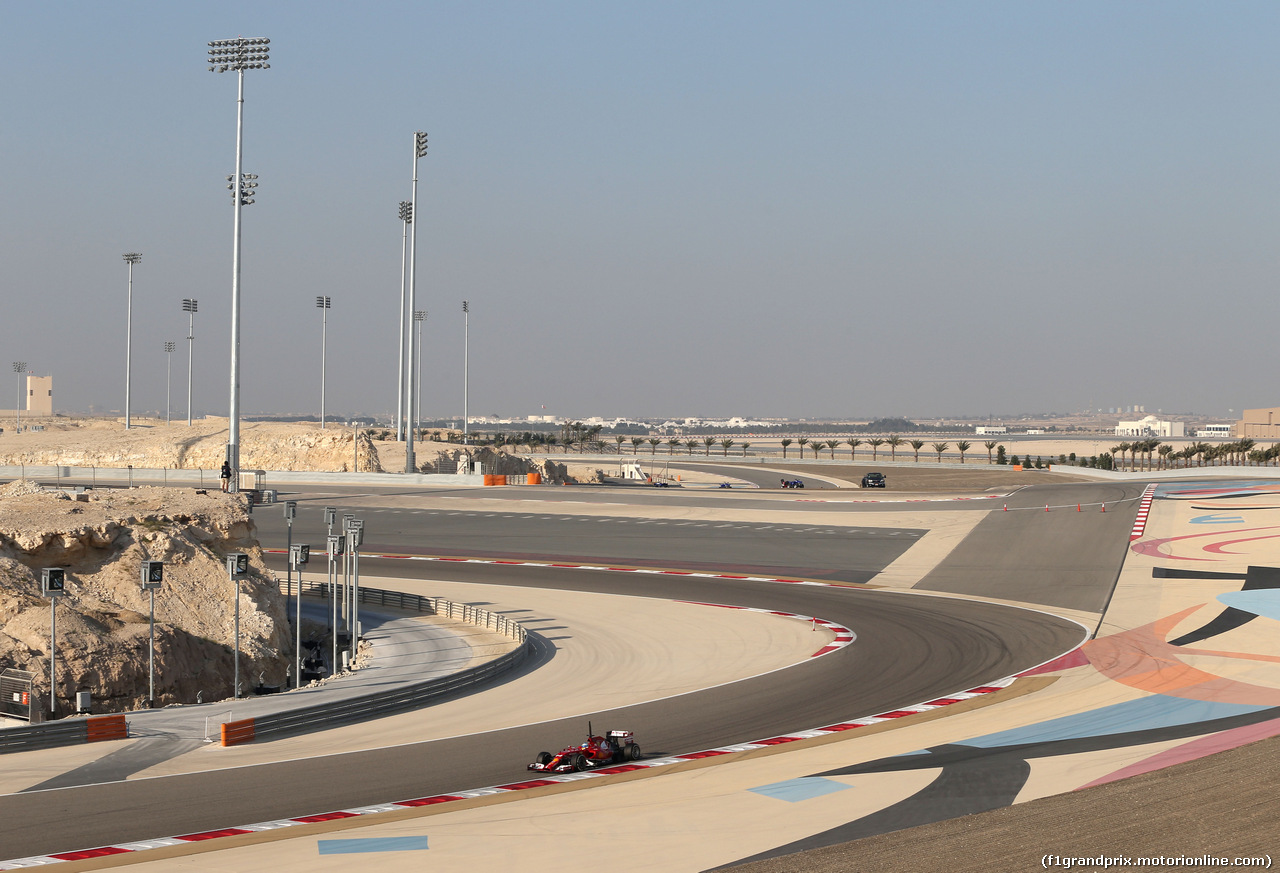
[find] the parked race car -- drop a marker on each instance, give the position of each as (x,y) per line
(615,747)
(792,483)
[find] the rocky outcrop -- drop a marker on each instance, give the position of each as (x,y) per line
(263,446)
(101,541)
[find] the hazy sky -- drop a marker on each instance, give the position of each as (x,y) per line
(764,209)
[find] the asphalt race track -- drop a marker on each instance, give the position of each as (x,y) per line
(909,649)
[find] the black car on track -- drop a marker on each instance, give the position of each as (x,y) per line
(873,480)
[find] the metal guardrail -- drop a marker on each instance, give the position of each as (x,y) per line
(44,736)
(71,732)
(406,696)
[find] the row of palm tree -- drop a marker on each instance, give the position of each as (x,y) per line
(1236,453)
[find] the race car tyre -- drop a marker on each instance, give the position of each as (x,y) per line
(579,762)
(633,751)
(544,758)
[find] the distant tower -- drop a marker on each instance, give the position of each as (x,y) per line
(40,395)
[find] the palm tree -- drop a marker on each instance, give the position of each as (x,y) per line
(708,441)
(725,445)
(831,444)
(875,443)
(1246,446)
(853,447)
(989,445)
(802,442)
(1165,451)
(744,449)
(785,443)
(940,448)
(916,446)
(619,439)
(653,445)
(635,445)
(1120,450)
(962,447)
(691,445)
(893,442)
(671,445)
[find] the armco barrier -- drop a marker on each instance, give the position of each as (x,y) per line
(405,697)
(69,732)
(75,731)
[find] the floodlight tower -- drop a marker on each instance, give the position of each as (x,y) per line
(323,304)
(19,367)
(168,371)
(191,306)
(419,150)
(130,258)
(237,55)
(406,219)
(466,363)
(419,315)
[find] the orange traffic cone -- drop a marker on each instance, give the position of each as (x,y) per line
(1046,507)
(1077,507)
(1006,507)
(1104,507)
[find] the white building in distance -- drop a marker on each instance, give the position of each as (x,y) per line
(1151,427)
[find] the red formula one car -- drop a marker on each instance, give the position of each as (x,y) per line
(615,747)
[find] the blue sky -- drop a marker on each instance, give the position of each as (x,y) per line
(830,209)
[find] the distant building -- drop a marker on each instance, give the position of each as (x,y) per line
(40,395)
(983,431)
(1214,430)
(1151,427)
(1258,424)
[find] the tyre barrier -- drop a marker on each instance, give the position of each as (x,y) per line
(236,732)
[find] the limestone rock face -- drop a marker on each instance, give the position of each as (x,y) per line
(263,446)
(102,619)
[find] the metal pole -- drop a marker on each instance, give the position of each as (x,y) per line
(130,258)
(233,415)
(323,303)
(466,360)
(297,626)
(53,656)
(355,597)
(235,687)
(168,381)
(420,316)
(406,218)
(419,149)
(191,336)
(19,367)
(151,664)
(333,594)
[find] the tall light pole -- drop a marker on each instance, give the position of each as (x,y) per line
(323,304)
(466,360)
(19,367)
(130,258)
(419,150)
(225,55)
(168,371)
(190,306)
(419,315)
(406,219)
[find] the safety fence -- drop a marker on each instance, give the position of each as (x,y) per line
(321,715)
(405,697)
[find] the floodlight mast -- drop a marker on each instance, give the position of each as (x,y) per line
(419,150)
(191,306)
(238,55)
(130,258)
(406,219)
